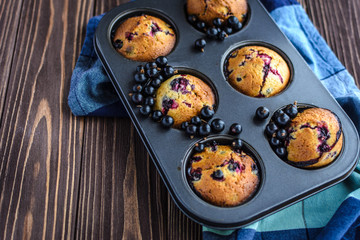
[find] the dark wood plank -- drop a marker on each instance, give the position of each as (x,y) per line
(137,205)
(9,23)
(40,140)
(339,23)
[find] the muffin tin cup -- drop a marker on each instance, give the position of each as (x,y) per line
(227,140)
(281,184)
(247,43)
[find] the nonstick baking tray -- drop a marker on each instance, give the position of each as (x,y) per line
(281,184)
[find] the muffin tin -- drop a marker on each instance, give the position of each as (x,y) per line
(281,184)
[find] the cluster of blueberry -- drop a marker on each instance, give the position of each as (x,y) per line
(219,31)
(148,78)
(276,131)
(204,129)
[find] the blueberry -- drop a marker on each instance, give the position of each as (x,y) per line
(195,121)
(270,129)
(152,72)
(217,125)
(232,21)
(145,110)
(196,175)
(281,152)
(204,130)
(156,115)
(207,113)
(277,114)
(222,35)
(237,144)
(212,33)
(291,110)
(217,175)
(282,119)
(137,98)
(235,129)
(217,22)
(200,25)
(228,30)
(156,82)
(149,101)
(140,77)
(233,166)
(168,71)
(184,125)
(237,26)
(281,134)
(161,61)
(167,121)
(262,113)
(150,65)
(199,147)
(118,44)
(161,77)
(191,130)
(149,90)
(140,69)
(200,44)
(274,142)
(137,88)
(192,19)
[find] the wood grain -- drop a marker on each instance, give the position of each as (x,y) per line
(68,177)
(339,23)
(9,22)
(41,141)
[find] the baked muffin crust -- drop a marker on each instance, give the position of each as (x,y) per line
(257,71)
(144,38)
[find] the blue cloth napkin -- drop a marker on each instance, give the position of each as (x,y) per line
(331,214)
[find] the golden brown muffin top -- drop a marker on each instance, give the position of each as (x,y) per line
(144,38)
(257,71)
(315,138)
(182,97)
(209,9)
(223,177)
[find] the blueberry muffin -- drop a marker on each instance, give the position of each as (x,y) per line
(315,138)
(182,97)
(222,176)
(144,38)
(257,71)
(207,10)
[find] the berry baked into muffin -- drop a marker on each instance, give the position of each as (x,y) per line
(144,38)
(222,176)
(209,10)
(182,97)
(257,71)
(315,138)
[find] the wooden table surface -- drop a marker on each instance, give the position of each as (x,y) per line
(69,177)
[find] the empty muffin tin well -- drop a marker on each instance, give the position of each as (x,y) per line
(167,147)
